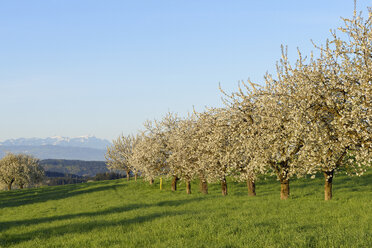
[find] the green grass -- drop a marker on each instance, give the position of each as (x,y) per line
(135,214)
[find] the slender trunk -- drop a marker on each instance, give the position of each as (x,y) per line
(151,181)
(174,183)
(135,177)
(21,186)
(128,175)
(203,186)
(284,189)
(251,187)
(328,176)
(224,186)
(188,187)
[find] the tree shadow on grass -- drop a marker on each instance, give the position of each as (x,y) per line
(341,182)
(80,228)
(30,196)
(363,180)
(9,224)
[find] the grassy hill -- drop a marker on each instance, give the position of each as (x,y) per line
(134,214)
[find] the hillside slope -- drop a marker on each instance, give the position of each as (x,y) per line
(134,214)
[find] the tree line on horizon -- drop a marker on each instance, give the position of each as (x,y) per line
(313,117)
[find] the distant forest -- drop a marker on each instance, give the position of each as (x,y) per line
(76,167)
(62,171)
(56,178)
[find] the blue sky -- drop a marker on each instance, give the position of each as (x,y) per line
(77,67)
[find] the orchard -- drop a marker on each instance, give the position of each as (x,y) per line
(313,117)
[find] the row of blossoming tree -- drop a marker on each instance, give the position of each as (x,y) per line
(313,117)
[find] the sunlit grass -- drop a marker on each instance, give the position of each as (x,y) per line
(135,214)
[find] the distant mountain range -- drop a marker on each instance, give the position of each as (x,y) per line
(81,141)
(87,148)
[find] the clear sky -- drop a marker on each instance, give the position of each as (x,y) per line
(77,67)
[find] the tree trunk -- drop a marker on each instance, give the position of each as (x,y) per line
(128,175)
(21,186)
(224,187)
(251,187)
(135,177)
(188,187)
(203,186)
(151,181)
(10,184)
(328,176)
(174,183)
(284,189)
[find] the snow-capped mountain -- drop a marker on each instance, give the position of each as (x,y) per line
(78,148)
(81,141)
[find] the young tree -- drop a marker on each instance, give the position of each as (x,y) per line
(118,155)
(245,133)
(183,159)
(147,158)
(242,150)
(168,125)
(213,146)
(151,153)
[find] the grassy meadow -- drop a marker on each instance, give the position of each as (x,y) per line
(134,214)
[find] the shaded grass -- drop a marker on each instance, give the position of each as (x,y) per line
(134,214)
